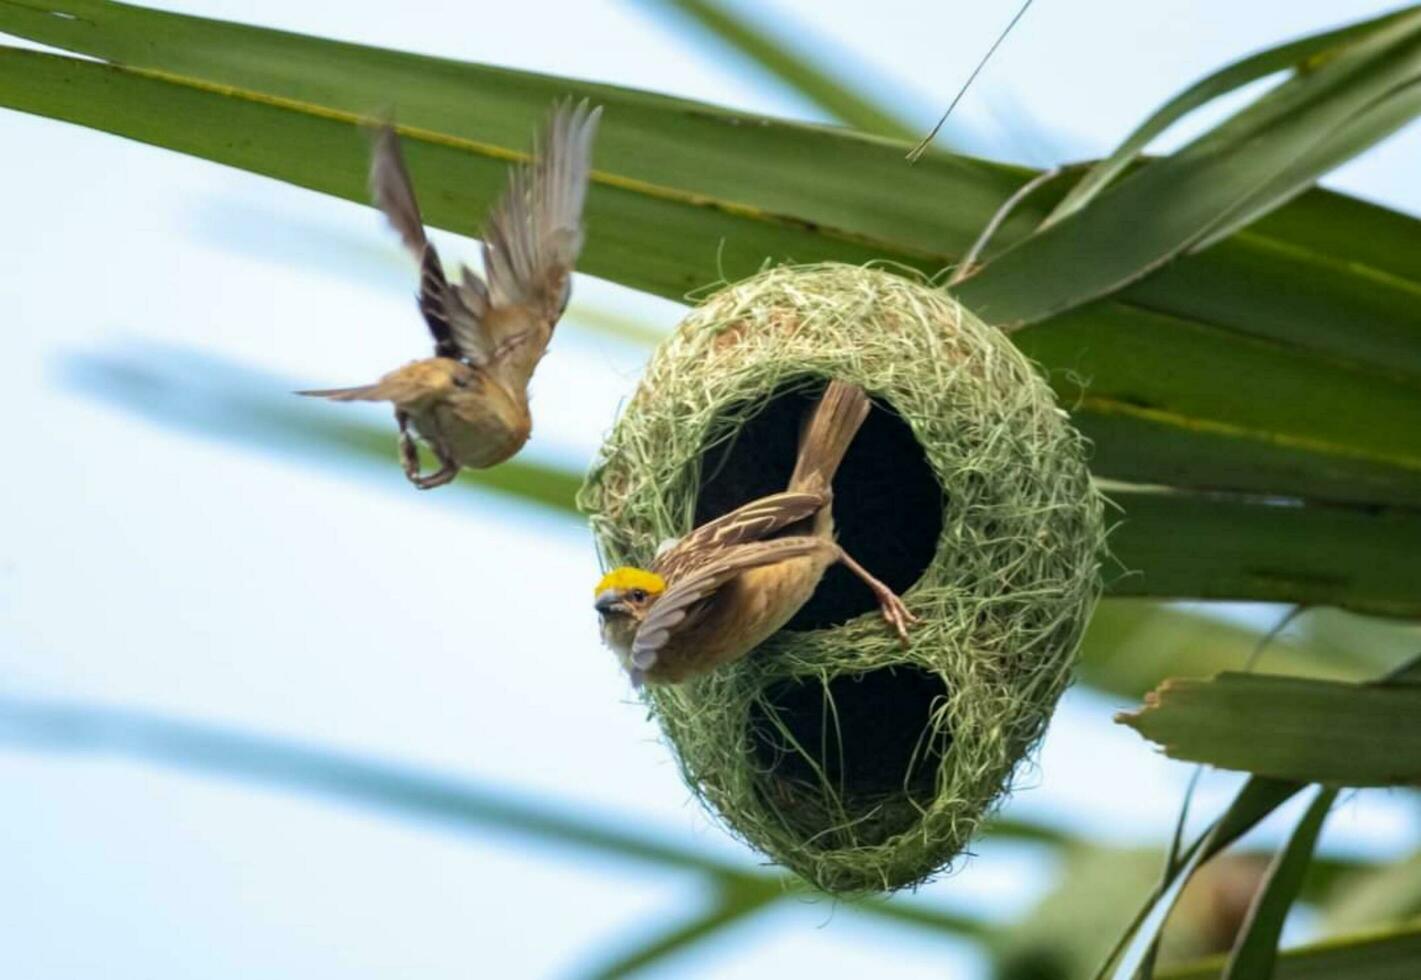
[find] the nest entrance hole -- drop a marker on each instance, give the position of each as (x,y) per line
(859,739)
(888,503)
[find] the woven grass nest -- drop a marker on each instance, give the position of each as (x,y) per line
(859,764)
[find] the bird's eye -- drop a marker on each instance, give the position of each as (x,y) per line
(460,382)
(637,595)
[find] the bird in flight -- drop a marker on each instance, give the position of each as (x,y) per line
(469,402)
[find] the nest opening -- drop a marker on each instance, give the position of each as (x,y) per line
(888,503)
(811,737)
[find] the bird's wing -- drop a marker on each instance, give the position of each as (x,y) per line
(680,600)
(454,313)
(751,522)
(534,232)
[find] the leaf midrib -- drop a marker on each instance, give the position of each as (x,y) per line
(496,152)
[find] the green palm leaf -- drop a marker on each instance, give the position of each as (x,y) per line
(1290,727)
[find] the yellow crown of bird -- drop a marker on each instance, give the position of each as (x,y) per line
(624,579)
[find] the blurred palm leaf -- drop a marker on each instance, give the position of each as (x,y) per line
(1066,934)
(239,405)
(1131,644)
(407,791)
(796,69)
(1256,952)
(724,906)
(1178,545)
(792,54)
(1375,645)
(1365,897)
(465,805)
(685,193)
(1257,798)
(1384,954)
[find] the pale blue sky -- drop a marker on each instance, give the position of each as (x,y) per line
(154,566)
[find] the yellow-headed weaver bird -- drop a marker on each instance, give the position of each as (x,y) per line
(722,590)
(469,401)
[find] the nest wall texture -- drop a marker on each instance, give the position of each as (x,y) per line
(857,763)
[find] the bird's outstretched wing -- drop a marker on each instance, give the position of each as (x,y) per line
(454,313)
(534,232)
(680,601)
(751,522)
(532,240)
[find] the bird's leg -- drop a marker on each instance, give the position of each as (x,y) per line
(895,613)
(409,452)
(409,458)
(448,469)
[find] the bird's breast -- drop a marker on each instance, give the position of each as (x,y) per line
(479,426)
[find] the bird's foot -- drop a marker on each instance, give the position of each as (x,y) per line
(445,474)
(409,459)
(409,452)
(895,613)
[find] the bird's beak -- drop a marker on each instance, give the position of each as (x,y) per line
(610,602)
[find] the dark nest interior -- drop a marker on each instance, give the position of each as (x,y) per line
(859,753)
(869,736)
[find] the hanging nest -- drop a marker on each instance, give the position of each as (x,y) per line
(857,763)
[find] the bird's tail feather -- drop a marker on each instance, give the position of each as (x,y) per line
(836,420)
(363,393)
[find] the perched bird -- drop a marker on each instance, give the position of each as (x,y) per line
(469,401)
(716,594)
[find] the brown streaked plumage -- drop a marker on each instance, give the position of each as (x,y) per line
(469,401)
(722,590)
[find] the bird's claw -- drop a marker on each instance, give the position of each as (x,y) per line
(409,452)
(897,615)
(436,479)
(409,460)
